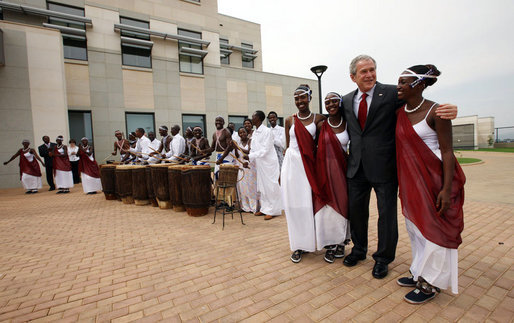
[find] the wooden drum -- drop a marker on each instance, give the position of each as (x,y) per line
(124,183)
(228,175)
(108,178)
(149,186)
(196,192)
(175,181)
(161,185)
(139,191)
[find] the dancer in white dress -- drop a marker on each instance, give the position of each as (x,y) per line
(30,173)
(247,186)
(62,167)
(431,188)
(297,176)
(89,170)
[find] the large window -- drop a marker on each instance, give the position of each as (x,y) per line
(237,120)
(224,53)
(80,125)
(193,120)
(75,46)
(247,60)
(190,62)
(136,53)
(136,120)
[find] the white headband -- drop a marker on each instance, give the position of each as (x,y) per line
(163,128)
(419,76)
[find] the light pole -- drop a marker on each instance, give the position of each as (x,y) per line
(318,71)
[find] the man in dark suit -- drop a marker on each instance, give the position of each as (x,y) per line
(370,112)
(43,152)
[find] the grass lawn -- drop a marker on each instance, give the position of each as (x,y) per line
(502,150)
(464,160)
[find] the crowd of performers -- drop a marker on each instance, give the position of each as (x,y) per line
(64,165)
(320,171)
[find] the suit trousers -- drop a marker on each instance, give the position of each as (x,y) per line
(359,190)
(50,176)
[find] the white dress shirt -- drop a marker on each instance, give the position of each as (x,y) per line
(177,147)
(279,136)
(357,100)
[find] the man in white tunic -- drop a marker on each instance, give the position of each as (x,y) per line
(279,136)
(153,149)
(263,156)
(142,145)
(177,145)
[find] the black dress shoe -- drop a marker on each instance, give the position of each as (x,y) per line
(51,189)
(379,270)
(351,260)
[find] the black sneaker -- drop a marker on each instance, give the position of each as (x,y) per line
(339,252)
(296,257)
(418,297)
(407,282)
(330,255)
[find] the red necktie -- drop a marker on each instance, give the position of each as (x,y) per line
(363,110)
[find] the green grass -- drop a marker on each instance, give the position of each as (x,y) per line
(502,150)
(464,160)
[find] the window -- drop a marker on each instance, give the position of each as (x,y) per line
(136,120)
(247,60)
(189,62)
(136,53)
(193,120)
(80,125)
(224,51)
(237,120)
(75,46)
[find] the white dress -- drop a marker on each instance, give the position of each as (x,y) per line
(63,179)
(30,182)
(331,227)
(247,185)
(90,184)
(297,196)
(436,264)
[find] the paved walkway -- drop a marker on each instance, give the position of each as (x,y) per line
(81,258)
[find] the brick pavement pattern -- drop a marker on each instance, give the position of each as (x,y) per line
(67,258)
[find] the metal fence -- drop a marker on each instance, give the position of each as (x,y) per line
(504,134)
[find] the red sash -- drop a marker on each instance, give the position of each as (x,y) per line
(306,145)
(31,168)
(61,161)
(420,179)
(331,172)
(87,166)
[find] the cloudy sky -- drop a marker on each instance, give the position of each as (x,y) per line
(471,43)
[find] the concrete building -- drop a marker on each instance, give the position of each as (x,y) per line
(87,68)
(472,132)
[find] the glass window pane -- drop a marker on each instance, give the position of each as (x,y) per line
(140,120)
(136,56)
(237,120)
(189,64)
(135,23)
(80,125)
(193,120)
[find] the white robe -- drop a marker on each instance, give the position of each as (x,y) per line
(177,147)
(90,184)
(30,182)
(265,159)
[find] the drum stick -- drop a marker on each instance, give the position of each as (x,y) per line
(110,155)
(239,148)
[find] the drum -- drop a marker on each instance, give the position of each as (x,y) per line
(175,181)
(149,186)
(108,179)
(124,183)
(228,175)
(139,191)
(196,192)
(161,185)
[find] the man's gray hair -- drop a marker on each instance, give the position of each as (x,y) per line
(356,60)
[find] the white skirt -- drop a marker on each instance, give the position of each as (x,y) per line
(63,179)
(90,184)
(297,199)
(331,227)
(31,182)
(436,264)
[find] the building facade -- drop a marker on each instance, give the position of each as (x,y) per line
(87,68)
(473,132)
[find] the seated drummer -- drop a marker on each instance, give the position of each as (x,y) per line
(222,145)
(200,149)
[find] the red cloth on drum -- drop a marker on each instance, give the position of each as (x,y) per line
(331,172)
(420,179)
(87,166)
(61,161)
(306,146)
(31,168)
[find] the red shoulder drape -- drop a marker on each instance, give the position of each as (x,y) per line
(420,179)
(331,172)
(87,166)
(61,161)
(31,168)
(306,145)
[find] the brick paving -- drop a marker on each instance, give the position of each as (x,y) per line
(74,257)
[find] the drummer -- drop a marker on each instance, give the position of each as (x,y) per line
(177,145)
(165,140)
(200,149)
(222,145)
(121,144)
(151,154)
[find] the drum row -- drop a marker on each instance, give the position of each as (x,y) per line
(181,187)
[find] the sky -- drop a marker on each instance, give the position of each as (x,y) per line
(471,42)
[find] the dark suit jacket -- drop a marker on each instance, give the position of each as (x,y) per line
(374,146)
(43,152)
